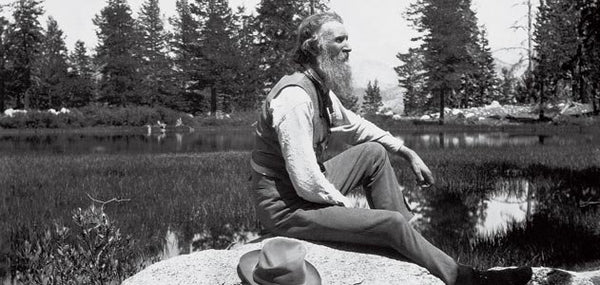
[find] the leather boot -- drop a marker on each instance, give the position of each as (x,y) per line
(510,276)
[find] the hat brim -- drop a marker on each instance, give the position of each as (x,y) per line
(249,260)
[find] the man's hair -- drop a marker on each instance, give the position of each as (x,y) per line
(307,42)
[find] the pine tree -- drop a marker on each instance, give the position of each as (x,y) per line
(567,54)
(590,33)
(23,41)
(186,32)
(118,55)
(184,41)
(80,61)
(3,60)
(156,71)
(507,85)
(372,99)
(449,34)
(412,79)
(275,26)
(80,90)
(471,69)
(52,66)
(487,80)
(247,86)
(556,48)
(217,52)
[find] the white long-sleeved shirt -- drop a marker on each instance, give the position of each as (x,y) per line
(292,112)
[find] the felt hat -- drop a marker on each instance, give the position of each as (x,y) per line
(281,262)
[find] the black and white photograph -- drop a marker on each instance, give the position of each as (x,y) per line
(300,142)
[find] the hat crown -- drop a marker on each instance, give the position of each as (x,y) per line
(281,261)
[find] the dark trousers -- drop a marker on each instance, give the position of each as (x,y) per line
(284,213)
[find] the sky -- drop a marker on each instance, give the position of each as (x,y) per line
(377,29)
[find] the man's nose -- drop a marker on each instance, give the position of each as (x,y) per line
(347,48)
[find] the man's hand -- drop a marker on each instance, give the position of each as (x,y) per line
(339,199)
(421,171)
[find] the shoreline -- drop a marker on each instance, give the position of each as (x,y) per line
(103,130)
(429,127)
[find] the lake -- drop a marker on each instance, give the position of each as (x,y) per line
(242,140)
(501,198)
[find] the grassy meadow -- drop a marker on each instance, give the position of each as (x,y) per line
(188,194)
(563,231)
(203,199)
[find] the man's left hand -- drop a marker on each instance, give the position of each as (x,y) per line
(419,168)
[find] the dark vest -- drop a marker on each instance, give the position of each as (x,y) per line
(266,156)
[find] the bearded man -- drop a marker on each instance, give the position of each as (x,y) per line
(301,195)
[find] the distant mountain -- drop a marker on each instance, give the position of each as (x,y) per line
(391,97)
(365,70)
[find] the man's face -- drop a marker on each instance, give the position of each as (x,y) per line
(333,58)
(334,40)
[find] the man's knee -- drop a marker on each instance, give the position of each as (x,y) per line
(300,225)
(396,223)
(375,151)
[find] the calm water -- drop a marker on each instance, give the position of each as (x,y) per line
(509,201)
(240,140)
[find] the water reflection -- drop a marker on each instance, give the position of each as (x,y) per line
(240,140)
(513,204)
(544,219)
(176,244)
(482,214)
(171,245)
(470,140)
(154,142)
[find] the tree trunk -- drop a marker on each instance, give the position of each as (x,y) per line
(574,86)
(19,104)
(580,35)
(541,116)
(596,99)
(530,90)
(580,82)
(213,100)
(2,96)
(530,38)
(442,95)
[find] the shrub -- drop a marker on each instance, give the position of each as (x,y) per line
(93,252)
(93,116)
(240,119)
(31,119)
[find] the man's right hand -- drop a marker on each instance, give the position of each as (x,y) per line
(419,168)
(339,199)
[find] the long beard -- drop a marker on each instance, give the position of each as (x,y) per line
(337,73)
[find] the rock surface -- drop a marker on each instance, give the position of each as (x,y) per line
(337,264)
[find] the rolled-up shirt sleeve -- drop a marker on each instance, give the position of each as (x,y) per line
(292,112)
(353,129)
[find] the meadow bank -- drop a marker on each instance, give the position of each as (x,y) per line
(136,119)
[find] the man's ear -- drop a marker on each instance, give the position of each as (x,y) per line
(311,46)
